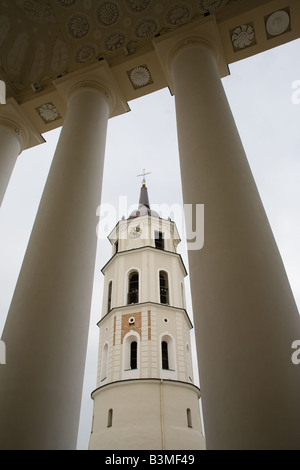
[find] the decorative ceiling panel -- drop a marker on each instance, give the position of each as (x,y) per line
(43,39)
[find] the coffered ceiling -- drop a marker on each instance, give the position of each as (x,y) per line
(42,41)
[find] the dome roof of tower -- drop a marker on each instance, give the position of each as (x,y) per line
(141,211)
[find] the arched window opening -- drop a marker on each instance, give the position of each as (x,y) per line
(133,355)
(189,418)
(164,287)
(159,240)
(168,356)
(131,348)
(164,355)
(109,296)
(110,418)
(133,288)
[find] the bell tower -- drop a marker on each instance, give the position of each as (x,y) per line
(145,396)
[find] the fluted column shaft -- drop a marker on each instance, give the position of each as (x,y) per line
(47,326)
(244,311)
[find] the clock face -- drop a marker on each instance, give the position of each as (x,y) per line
(135,232)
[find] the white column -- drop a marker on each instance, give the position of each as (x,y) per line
(244,311)
(47,325)
(11,146)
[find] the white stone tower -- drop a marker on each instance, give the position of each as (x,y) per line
(145,396)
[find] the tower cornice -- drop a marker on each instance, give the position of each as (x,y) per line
(138,306)
(142,249)
(178,383)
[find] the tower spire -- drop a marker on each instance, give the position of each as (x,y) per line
(144,203)
(144,198)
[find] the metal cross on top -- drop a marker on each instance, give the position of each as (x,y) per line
(143,175)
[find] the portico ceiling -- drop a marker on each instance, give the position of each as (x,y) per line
(43,40)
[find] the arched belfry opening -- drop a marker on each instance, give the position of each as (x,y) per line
(164,287)
(133,288)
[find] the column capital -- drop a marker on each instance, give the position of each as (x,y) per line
(200,33)
(192,41)
(20,132)
(97,77)
(12,116)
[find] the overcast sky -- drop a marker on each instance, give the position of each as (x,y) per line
(265,106)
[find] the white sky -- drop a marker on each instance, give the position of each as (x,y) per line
(260,92)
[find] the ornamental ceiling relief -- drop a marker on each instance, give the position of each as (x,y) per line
(43,39)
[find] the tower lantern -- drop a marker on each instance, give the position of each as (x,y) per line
(145,396)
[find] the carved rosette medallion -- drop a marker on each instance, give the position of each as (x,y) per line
(78,26)
(140,76)
(107,13)
(48,112)
(85,53)
(138,5)
(115,40)
(178,14)
(278,23)
(209,6)
(37,11)
(146,28)
(243,36)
